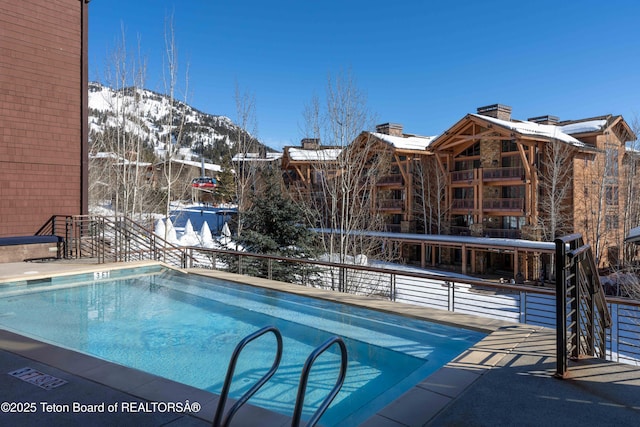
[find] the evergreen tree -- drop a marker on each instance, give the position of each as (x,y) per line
(225,191)
(274,225)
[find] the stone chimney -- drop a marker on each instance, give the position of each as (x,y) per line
(310,143)
(544,120)
(497,111)
(393,129)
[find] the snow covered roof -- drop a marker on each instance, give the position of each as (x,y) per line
(256,157)
(583,127)
(470,241)
(535,129)
(120,160)
(317,155)
(405,142)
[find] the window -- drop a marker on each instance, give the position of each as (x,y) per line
(463,193)
(611,195)
(509,145)
(611,162)
(464,165)
(511,162)
(611,222)
(513,222)
(474,150)
(513,192)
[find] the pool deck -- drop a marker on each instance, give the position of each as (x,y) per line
(505,379)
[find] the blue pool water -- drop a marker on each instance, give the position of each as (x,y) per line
(185,327)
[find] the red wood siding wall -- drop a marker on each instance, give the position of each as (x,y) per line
(40,112)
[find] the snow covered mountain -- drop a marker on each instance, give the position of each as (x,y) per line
(150,117)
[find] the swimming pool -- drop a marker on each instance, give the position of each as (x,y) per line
(184,327)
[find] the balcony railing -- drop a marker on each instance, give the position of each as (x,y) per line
(391,204)
(465,204)
(502,233)
(457,176)
(390,180)
(503,204)
(496,174)
(459,231)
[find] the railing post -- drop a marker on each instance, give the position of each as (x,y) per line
(561,311)
(615,333)
(450,295)
(343,280)
(392,286)
(591,316)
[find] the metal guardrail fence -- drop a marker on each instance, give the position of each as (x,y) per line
(113,239)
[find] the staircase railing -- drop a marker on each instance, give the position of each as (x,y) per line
(111,239)
(581,309)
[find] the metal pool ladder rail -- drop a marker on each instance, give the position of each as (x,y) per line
(302,387)
(304,376)
(217,419)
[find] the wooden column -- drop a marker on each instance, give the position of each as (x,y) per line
(464,259)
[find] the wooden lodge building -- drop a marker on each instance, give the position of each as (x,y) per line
(488,177)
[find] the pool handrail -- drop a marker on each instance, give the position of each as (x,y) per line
(304,377)
(217,419)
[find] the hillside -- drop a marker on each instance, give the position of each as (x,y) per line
(145,116)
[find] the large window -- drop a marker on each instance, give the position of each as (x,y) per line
(509,145)
(463,193)
(511,162)
(474,150)
(611,162)
(465,165)
(611,222)
(611,195)
(513,192)
(513,222)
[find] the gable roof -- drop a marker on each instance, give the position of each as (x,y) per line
(523,129)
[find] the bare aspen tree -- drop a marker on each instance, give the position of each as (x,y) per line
(117,173)
(430,185)
(597,198)
(174,120)
(246,151)
(630,192)
(556,186)
(346,192)
(344,172)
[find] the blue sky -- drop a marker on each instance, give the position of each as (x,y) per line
(424,64)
